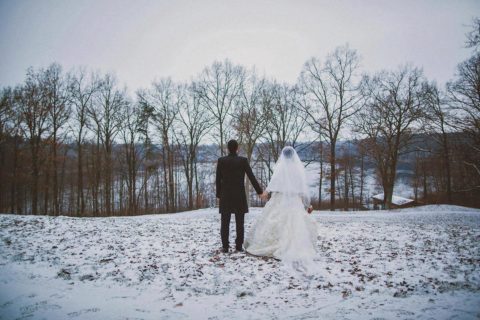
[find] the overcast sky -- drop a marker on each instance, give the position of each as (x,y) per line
(145,40)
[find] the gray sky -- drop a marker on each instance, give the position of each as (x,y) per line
(145,40)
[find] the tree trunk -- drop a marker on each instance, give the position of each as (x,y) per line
(108,182)
(46,189)
(388,189)
(134,181)
(332,176)
(190,169)
(80,194)
(362,178)
(145,193)
(56,207)
(197,191)
(446,156)
(425,184)
(352,185)
(35,176)
(165,179)
(96,187)
(387,196)
(222,152)
(13,192)
(346,188)
(171,180)
(320,182)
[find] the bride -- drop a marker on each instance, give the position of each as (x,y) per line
(284,230)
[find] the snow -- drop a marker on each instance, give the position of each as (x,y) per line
(396,200)
(412,263)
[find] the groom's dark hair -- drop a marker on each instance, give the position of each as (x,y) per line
(232,146)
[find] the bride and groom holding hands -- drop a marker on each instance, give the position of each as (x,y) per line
(284,229)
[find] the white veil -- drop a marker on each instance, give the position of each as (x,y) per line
(289,176)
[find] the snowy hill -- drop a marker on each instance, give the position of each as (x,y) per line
(411,263)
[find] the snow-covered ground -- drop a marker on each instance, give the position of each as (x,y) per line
(421,263)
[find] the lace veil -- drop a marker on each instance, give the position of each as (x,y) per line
(289,176)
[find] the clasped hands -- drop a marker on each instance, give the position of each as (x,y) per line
(264,195)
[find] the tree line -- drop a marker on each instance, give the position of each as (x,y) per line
(76,143)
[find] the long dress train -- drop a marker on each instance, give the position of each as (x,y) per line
(284,230)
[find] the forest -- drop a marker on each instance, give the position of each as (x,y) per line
(75,142)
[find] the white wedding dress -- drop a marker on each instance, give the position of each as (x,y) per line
(284,230)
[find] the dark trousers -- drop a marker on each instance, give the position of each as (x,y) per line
(225,229)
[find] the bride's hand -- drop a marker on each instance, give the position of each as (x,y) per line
(264,196)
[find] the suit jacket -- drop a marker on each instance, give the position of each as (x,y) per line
(230,183)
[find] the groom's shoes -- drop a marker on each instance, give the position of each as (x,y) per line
(239,249)
(225,250)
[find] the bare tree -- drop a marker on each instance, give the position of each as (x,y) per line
(394,104)
(34,115)
(349,179)
(82,88)
(15,166)
(219,85)
(165,98)
(131,133)
(194,124)
(56,99)
(464,97)
(332,97)
(284,120)
(107,116)
(473,36)
(464,93)
(8,125)
(321,170)
(437,125)
(362,154)
(146,115)
(6,113)
(248,119)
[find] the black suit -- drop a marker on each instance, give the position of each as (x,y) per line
(230,184)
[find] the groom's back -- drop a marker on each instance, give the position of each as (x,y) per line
(232,170)
(230,183)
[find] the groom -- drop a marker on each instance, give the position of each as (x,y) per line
(230,178)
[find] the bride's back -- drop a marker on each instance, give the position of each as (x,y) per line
(289,177)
